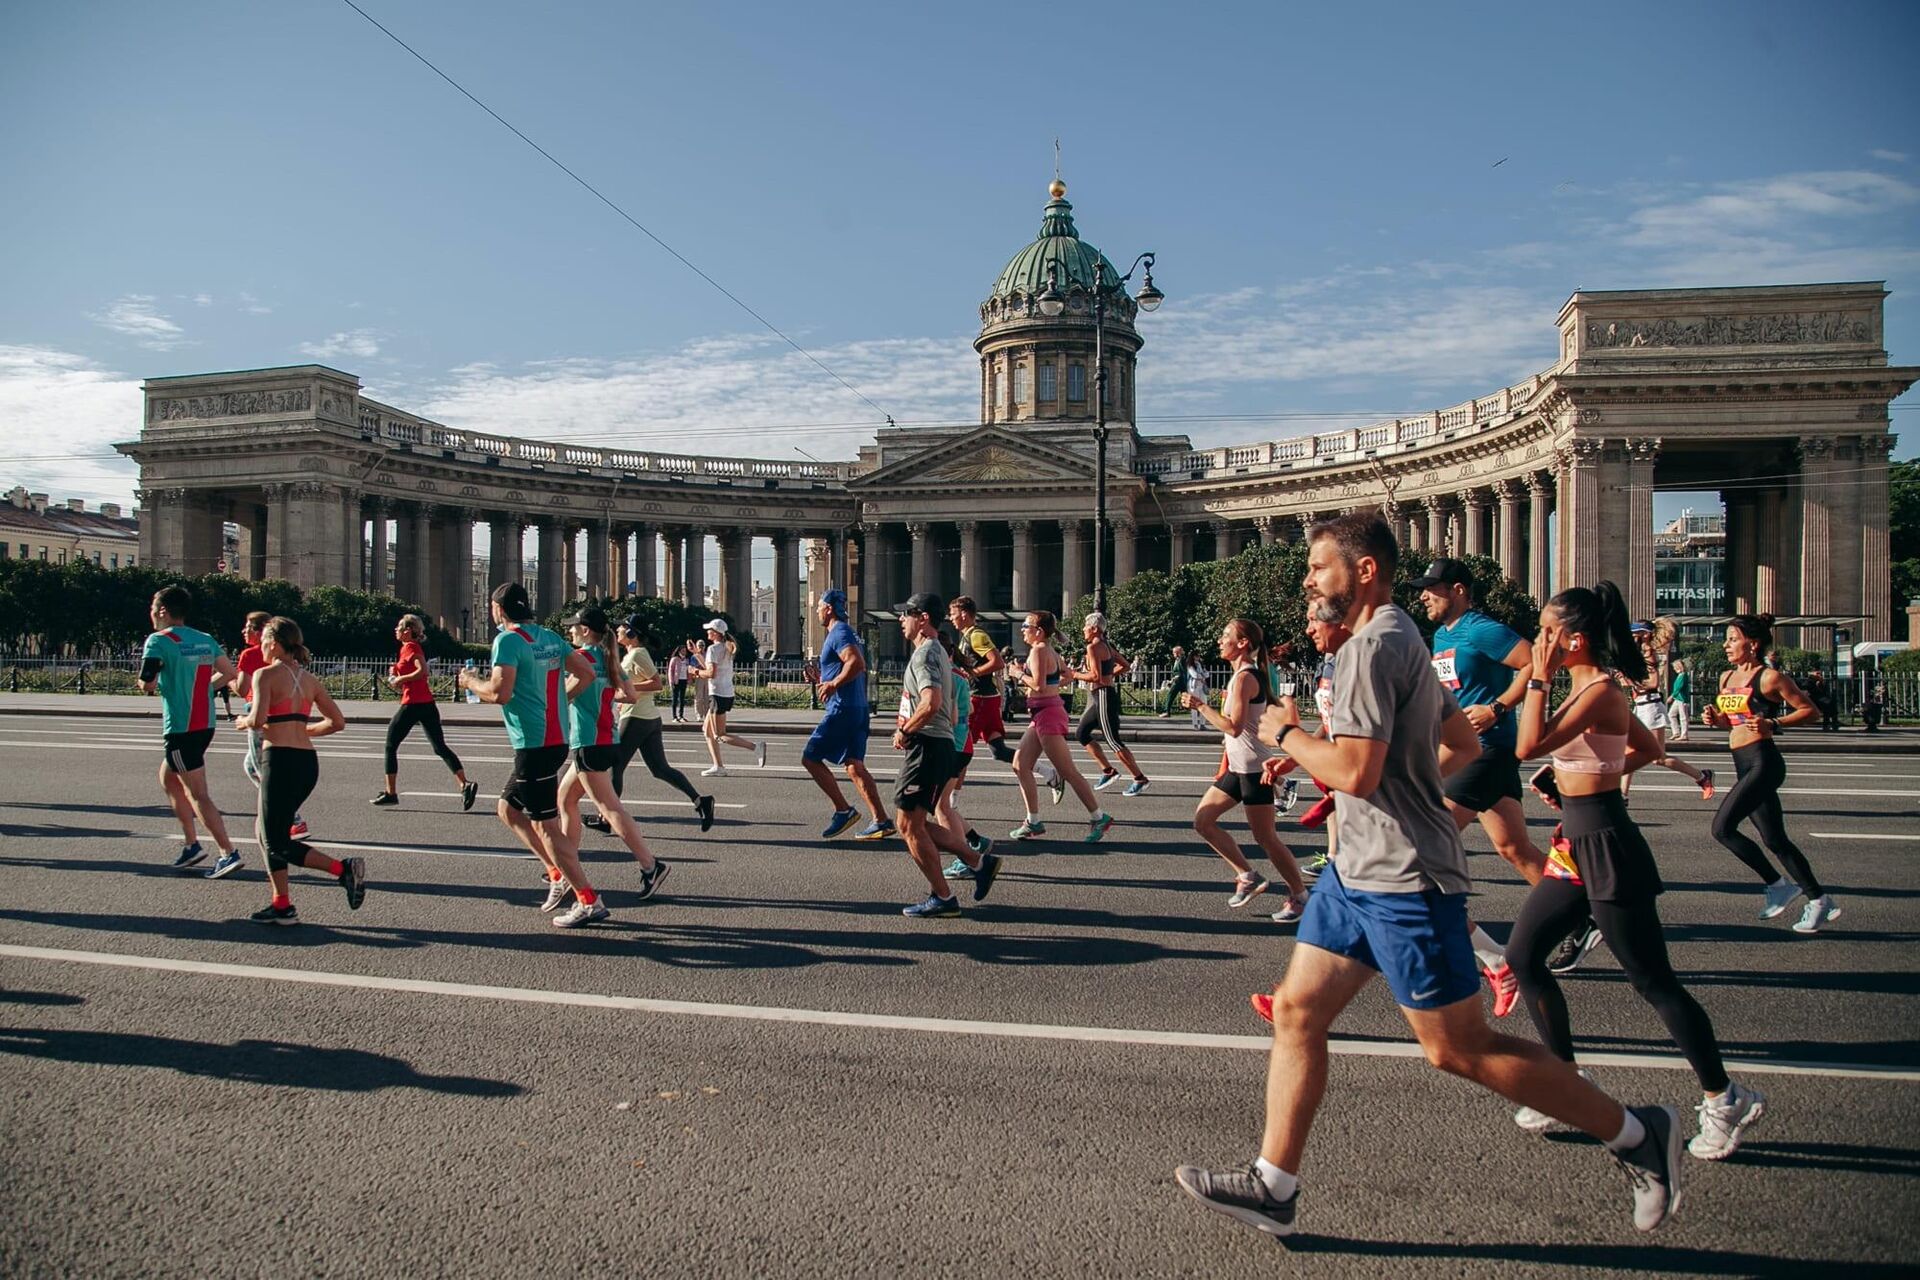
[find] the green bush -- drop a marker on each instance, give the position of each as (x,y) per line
(1905,662)
(673,623)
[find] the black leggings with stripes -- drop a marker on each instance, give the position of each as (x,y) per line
(1760,769)
(427,716)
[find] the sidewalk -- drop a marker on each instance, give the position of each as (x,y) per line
(784,722)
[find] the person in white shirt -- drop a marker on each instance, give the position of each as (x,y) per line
(716,668)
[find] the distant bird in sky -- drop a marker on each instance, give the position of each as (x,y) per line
(1497,163)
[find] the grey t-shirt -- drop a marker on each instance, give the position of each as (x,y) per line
(1401,838)
(929,668)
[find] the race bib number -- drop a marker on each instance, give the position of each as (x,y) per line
(906,706)
(1733,706)
(1443,666)
(1323,698)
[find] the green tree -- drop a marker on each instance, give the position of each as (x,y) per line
(1903,510)
(674,623)
(1906,586)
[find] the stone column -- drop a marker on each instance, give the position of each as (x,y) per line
(1642,454)
(619,572)
(570,561)
(693,563)
(1269,529)
(1474,518)
(1073,564)
(501,550)
(839,562)
(599,545)
(921,561)
(353,541)
(1416,526)
(819,558)
(672,564)
(1222,539)
(551,566)
(730,589)
(1026,566)
(646,561)
(1539,536)
(426,576)
(1743,549)
(1588,520)
(1438,508)
(1126,547)
(1179,545)
(1876,584)
(1769,548)
(972,562)
(456,592)
(1817,501)
(1511,548)
(379,576)
(257,543)
(871,582)
(786,589)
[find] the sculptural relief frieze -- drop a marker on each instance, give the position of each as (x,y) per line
(229,404)
(1783,329)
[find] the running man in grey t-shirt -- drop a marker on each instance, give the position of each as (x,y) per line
(1393,903)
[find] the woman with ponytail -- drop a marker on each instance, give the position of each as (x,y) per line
(1599,864)
(1649,695)
(1749,708)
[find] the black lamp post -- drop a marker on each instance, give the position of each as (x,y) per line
(1052,303)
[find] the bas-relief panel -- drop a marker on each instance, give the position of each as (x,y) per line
(229,404)
(1783,329)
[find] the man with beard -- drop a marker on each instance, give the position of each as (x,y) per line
(1393,904)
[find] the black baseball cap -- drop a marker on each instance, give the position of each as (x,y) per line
(1445,571)
(922,602)
(590,616)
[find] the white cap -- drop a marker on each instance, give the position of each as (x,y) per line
(716,624)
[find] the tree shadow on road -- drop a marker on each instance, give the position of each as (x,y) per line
(304,935)
(1905,983)
(1751,889)
(50,831)
(1637,1258)
(40,998)
(264,1062)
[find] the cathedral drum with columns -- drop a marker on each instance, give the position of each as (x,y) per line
(1775,395)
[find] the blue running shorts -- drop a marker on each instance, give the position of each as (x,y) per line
(1420,943)
(839,738)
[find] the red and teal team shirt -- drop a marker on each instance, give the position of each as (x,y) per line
(590,711)
(538,657)
(186,677)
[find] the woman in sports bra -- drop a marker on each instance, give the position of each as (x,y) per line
(1041,675)
(1650,701)
(1749,708)
(1242,779)
(284,700)
(1105,664)
(1603,867)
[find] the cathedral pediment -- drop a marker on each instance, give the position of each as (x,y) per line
(991,457)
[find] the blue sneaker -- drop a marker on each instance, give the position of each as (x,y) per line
(1107,779)
(1138,787)
(874,831)
(189,855)
(225,865)
(1097,828)
(933,907)
(957,870)
(1029,829)
(841,820)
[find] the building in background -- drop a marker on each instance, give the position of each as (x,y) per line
(33,529)
(1690,566)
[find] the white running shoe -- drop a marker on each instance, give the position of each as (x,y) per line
(714,771)
(557,891)
(1246,888)
(1539,1121)
(1817,913)
(1780,896)
(1291,910)
(581,913)
(1721,1125)
(760,754)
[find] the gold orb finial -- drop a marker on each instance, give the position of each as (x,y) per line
(1058,188)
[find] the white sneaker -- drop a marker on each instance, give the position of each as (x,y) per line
(1291,911)
(714,771)
(760,754)
(1721,1125)
(1818,911)
(1539,1121)
(1780,896)
(581,913)
(557,891)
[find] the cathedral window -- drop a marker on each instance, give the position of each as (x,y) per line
(1049,378)
(1077,383)
(1022,384)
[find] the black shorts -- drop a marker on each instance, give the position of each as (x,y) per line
(187,752)
(534,785)
(722,705)
(930,763)
(596,759)
(1494,777)
(1614,861)
(1247,788)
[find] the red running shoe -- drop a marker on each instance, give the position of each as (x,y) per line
(1506,989)
(1317,816)
(1263,1005)
(299,830)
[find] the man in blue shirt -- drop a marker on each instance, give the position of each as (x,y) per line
(841,736)
(1485,665)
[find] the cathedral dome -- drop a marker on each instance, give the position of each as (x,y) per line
(1058,249)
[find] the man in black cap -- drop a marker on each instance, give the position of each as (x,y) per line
(925,734)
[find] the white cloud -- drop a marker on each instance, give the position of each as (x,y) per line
(253,306)
(135,316)
(202,299)
(62,412)
(360,344)
(1891,157)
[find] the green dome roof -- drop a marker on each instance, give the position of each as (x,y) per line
(1058,250)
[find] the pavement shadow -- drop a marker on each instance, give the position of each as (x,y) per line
(1778,931)
(1637,1258)
(118,810)
(1878,1053)
(264,1062)
(302,936)
(119,866)
(40,998)
(48,831)
(1854,983)
(1751,889)
(717,946)
(1837,1157)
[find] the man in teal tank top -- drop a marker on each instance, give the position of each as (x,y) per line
(186,667)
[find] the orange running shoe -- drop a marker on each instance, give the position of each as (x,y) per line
(1263,1005)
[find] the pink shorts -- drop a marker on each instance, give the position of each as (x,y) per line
(1049,717)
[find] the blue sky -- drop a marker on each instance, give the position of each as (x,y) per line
(1358,209)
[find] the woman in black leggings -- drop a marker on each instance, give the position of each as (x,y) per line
(640,730)
(1602,868)
(1749,708)
(417,707)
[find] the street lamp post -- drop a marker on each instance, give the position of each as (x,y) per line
(1052,303)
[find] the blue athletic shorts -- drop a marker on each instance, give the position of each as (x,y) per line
(839,738)
(1420,943)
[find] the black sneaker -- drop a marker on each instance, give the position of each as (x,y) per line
(1241,1194)
(983,878)
(1653,1167)
(271,914)
(595,822)
(383,799)
(468,791)
(704,807)
(354,880)
(1573,949)
(650,880)
(189,854)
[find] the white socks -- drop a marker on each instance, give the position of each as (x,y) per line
(1281,1183)
(1631,1135)
(1486,950)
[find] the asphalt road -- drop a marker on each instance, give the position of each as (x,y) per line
(768,1071)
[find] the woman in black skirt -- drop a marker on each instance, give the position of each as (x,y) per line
(1600,865)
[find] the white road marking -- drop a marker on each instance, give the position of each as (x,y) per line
(1849,835)
(355,846)
(885,1021)
(455,795)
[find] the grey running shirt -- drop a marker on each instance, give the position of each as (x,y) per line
(929,668)
(1401,838)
